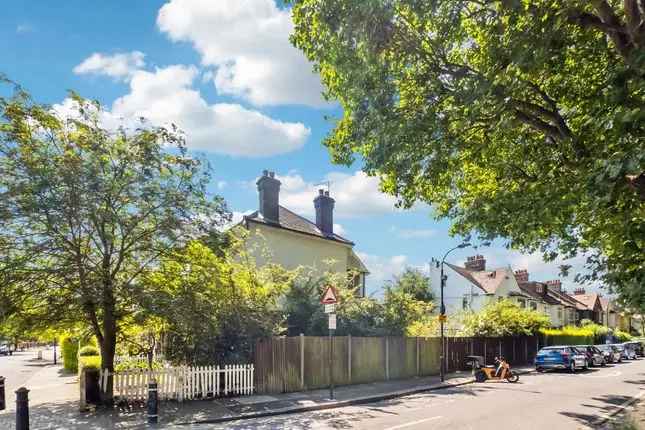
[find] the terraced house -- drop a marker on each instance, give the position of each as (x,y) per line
(279,235)
(471,287)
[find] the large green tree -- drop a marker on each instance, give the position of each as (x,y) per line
(521,119)
(85,210)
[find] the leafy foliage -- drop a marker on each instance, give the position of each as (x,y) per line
(504,318)
(517,119)
(85,210)
(414,282)
(69,352)
(88,351)
(213,307)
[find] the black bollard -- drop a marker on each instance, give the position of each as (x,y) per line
(22,409)
(153,402)
(3,403)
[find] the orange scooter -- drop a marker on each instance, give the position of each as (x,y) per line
(501,372)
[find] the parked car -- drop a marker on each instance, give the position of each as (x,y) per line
(560,357)
(630,350)
(624,352)
(5,349)
(638,346)
(594,356)
(611,353)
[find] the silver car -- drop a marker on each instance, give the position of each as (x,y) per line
(5,349)
(611,353)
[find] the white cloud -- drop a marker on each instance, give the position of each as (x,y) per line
(356,194)
(121,66)
(247,42)
(221,185)
(382,269)
(421,233)
(166,96)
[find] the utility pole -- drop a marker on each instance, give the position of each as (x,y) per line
(442,315)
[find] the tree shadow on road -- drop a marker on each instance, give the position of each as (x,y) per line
(609,403)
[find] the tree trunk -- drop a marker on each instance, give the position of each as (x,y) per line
(108,349)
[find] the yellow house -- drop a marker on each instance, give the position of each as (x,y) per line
(294,241)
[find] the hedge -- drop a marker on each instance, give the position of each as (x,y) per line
(69,351)
(88,351)
(89,362)
(568,336)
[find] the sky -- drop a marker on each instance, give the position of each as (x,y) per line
(247,100)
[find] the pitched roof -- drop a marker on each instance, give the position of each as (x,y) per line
(564,298)
(531,289)
(487,280)
(605,303)
(291,221)
(588,300)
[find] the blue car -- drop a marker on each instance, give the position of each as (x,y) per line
(560,357)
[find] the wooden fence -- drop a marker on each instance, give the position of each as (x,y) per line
(286,364)
(182,383)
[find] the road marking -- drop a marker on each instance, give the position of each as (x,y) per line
(413,423)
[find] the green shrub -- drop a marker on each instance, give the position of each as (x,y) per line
(622,336)
(88,351)
(69,351)
(568,336)
(89,362)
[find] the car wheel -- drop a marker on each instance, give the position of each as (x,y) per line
(603,363)
(539,369)
(572,367)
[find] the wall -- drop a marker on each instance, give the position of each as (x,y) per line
(291,249)
(286,364)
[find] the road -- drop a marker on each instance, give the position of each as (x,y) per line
(554,400)
(19,367)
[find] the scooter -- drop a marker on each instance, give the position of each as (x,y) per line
(483,373)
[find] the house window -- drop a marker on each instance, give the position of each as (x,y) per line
(464,302)
(521,302)
(534,306)
(560,314)
(538,289)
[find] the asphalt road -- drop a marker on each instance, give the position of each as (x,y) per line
(554,400)
(19,367)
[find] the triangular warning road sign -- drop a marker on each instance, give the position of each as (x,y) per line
(329,296)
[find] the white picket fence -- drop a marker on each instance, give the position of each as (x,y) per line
(182,383)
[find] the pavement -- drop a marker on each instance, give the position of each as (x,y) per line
(554,400)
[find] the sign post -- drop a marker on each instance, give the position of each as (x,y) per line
(329,300)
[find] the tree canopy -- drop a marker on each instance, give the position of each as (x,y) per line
(85,210)
(516,119)
(504,318)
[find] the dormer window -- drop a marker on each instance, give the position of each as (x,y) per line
(539,289)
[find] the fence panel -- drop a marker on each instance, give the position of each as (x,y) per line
(368,359)
(182,383)
(402,357)
(429,350)
(277,362)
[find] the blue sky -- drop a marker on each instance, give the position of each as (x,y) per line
(225,72)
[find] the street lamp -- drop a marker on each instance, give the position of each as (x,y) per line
(442,315)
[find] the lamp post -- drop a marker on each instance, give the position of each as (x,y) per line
(442,315)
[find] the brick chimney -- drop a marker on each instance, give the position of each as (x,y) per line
(324,206)
(522,275)
(579,291)
(269,192)
(555,285)
(476,263)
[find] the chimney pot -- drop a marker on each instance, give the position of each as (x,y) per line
(269,195)
(327,193)
(324,206)
(476,263)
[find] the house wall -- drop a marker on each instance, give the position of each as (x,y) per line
(292,250)
(459,288)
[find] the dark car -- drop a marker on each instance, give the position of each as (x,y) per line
(611,353)
(560,357)
(594,356)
